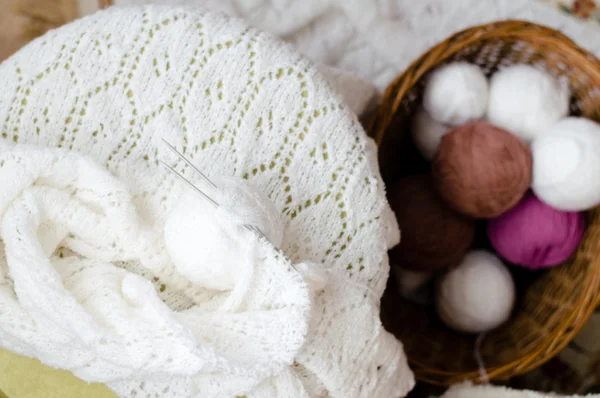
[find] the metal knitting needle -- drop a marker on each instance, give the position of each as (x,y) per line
(195,188)
(205,178)
(251,228)
(180,155)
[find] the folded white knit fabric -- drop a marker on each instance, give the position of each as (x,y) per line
(87,283)
(81,311)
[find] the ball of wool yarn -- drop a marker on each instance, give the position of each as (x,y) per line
(210,246)
(433,235)
(456,93)
(535,235)
(526,101)
(566,165)
(427,133)
(476,296)
(481,170)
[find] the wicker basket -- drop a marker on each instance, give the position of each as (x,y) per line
(554,306)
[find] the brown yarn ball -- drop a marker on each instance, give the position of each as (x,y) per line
(481,170)
(434,236)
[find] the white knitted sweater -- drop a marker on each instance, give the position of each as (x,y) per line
(85,281)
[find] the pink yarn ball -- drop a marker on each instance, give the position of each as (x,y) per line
(535,235)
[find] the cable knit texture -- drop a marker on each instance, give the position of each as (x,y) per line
(86,282)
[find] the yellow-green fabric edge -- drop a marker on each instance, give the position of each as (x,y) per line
(22,377)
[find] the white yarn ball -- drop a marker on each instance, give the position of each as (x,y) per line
(566,165)
(210,246)
(427,133)
(456,93)
(526,101)
(476,296)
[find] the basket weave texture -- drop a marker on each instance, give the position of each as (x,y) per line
(551,308)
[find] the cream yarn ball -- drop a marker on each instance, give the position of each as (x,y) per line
(566,165)
(427,133)
(476,296)
(456,93)
(210,246)
(526,101)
